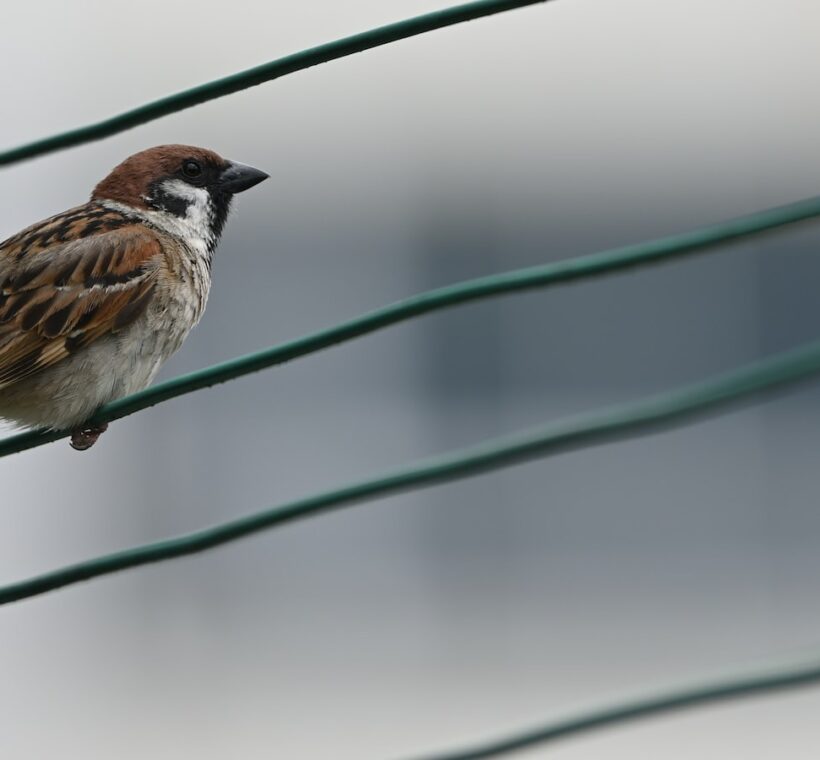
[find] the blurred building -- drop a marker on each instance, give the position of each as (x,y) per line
(442,617)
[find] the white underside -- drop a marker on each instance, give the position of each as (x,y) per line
(68,393)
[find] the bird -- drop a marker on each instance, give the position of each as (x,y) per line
(93,300)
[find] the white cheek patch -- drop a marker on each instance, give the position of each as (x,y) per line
(185,191)
(196,226)
(199,202)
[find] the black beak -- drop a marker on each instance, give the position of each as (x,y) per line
(238,177)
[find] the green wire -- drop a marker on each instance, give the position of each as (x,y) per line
(734,687)
(609,424)
(580,268)
(615,423)
(242,80)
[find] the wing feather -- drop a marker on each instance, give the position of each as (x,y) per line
(56,299)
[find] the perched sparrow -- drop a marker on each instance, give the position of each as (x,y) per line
(94,300)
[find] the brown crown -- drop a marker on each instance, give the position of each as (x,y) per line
(130,181)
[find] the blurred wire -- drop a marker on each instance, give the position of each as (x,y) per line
(734,687)
(609,424)
(613,423)
(259,74)
(582,267)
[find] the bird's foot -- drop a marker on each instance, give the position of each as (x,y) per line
(85,437)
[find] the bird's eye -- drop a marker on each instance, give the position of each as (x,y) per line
(192,169)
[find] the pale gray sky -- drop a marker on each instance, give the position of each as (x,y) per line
(434,619)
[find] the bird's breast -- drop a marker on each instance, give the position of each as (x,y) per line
(185,282)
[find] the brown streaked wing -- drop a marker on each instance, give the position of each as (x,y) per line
(73,224)
(58,299)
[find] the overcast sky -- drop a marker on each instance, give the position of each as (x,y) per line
(434,619)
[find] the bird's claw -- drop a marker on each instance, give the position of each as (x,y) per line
(85,437)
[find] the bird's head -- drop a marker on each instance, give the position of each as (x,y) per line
(181,183)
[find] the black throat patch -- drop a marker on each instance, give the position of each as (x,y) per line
(221,204)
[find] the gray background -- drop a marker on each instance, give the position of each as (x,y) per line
(445,616)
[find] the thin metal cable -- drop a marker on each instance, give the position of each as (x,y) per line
(621,422)
(733,687)
(242,80)
(613,423)
(571,270)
